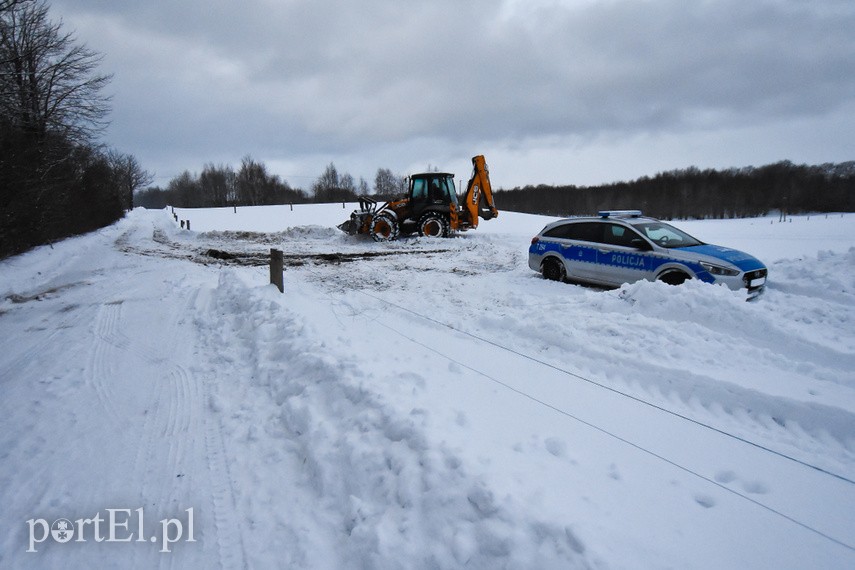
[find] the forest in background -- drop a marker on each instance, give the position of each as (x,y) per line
(677,194)
(699,194)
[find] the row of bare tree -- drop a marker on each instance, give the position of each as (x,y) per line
(56,180)
(253,185)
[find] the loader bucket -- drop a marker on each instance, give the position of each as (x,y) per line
(348,226)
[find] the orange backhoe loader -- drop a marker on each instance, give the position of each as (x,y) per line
(430,207)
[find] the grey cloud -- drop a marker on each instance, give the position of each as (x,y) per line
(333,77)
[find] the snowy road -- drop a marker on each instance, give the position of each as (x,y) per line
(436,406)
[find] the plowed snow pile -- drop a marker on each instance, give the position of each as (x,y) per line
(420,404)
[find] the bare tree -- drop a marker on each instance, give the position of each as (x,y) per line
(9,4)
(327,183)
(362,189)
(218,185)
(332,187)
(48,82)
(252,182)
(129,176)
(386,183)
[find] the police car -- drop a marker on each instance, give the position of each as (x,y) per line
(622,246)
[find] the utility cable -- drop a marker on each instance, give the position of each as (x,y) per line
(619,392)
(621,439)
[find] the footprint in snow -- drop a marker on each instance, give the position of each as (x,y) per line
(753,487)
(555,446)
(725,477)
(706,501)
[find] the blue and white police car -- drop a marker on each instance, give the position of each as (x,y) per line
(622,246)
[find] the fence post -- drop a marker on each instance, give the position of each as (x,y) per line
(188,224)
(277,266)
(182,224)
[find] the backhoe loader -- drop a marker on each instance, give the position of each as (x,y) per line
(430,207)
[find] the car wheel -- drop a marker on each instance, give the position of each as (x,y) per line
(384,227)
(433,225)
(674,277)
(554,270)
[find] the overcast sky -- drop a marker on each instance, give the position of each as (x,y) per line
(550,91)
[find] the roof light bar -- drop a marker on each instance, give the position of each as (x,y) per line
(619,213)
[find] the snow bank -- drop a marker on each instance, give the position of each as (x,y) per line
(385,496)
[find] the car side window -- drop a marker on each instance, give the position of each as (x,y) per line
(616,234)
(561,232)
(580,231)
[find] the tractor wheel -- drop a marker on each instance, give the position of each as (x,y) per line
(433,225)
(384,227)
(554,270)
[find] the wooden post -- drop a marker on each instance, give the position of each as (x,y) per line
(277,266)
(188,224)
(292,207)
(182,224)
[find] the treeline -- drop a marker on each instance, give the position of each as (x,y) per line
(218,186)
(55,180)
(253,185)
(699,194)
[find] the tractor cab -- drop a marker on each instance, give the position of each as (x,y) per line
(432,188)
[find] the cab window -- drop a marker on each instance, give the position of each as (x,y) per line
(419,189)
(450,190)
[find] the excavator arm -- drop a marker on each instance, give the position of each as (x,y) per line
(478,200)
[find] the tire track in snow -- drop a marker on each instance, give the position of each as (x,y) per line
(166,447)
(229,538)
(220,494)
(102,372)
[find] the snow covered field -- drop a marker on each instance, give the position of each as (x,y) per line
(420,404)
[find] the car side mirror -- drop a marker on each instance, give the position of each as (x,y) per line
(639,243)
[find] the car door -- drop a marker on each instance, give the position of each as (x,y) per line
(619,260)
(575,242)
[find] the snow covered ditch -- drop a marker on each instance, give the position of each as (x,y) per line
(425,403)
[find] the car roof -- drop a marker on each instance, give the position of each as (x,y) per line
(630,219)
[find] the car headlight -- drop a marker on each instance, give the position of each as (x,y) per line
(719,270)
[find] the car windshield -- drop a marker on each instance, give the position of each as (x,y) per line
(664,235)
